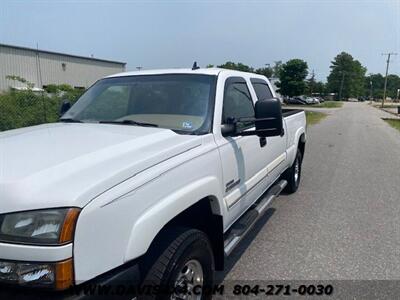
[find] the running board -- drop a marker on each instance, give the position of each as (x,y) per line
(243,225)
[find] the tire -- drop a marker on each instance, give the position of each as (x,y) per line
(290,174)
(180,249)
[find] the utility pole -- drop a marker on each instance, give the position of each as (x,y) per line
(311,81)
(341,86)
(387,69)
(370,87)
(370,90)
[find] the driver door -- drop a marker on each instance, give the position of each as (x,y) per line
(244,157)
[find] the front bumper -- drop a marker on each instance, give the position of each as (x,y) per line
(121,283)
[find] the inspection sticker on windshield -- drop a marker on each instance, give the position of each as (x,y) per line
(187,125)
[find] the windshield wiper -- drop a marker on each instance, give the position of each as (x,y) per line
(70,120)
(129,122)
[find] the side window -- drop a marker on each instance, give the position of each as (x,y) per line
(237,102)
(261,88)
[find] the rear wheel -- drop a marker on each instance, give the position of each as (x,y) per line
(185,267)
(293,174)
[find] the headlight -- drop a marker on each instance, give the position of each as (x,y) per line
(44,275)
(40,227)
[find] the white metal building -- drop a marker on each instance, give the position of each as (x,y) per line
(42,68)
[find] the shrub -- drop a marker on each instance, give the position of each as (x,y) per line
(26,108)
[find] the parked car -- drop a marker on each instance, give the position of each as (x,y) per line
(311,100)
(296,100)
(143,181)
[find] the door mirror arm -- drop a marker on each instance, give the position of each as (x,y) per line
(65,106)
(229,128)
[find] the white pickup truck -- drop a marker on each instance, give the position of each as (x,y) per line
(151,177)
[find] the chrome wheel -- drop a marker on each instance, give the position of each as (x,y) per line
(297,171)
(189,282)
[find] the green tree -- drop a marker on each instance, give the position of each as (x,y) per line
(319,88)
(378,81)
(311,84)
(267,72)
(29,84)
(276,69)
(236,66)
(315,87)
(347,76)
(54,88)
(393,84)
(292,77)
(374,83)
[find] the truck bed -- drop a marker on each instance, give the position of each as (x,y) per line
(286,112)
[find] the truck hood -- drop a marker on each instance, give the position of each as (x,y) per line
(65,164)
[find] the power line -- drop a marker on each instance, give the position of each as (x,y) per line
(387,70)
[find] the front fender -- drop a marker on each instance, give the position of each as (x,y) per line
(120,224)
(157,216)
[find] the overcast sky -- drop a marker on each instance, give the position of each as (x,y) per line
(159,34)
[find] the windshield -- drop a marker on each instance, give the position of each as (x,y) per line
(180,102)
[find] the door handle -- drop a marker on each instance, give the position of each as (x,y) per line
(263,141)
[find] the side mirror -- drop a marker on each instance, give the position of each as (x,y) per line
(65,106)
(268,115)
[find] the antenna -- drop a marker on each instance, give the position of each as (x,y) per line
(195,66)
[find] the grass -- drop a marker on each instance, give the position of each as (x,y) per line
(314,117)
(395,123)
(387,105)
(329,104)
(390,105)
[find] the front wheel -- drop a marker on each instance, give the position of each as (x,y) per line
(185,267)
(293,174)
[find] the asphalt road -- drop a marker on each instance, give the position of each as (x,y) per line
(344,221)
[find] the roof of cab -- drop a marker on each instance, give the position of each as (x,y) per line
(203,71)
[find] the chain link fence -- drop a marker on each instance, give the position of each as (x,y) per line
(27,108)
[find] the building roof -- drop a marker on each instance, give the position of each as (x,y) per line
(63,54)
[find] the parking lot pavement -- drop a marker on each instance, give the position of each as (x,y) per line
(344,221)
